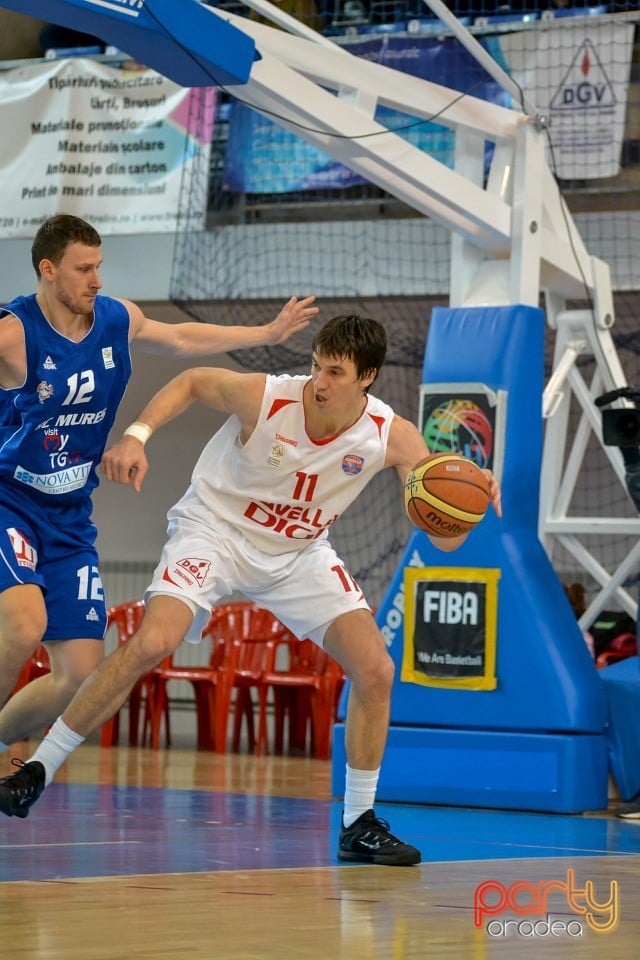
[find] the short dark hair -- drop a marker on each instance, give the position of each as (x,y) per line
(360,339)
(55,235)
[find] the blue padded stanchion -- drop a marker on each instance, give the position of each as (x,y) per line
(536,741)
(621,683)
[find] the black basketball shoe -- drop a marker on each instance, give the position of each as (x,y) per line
(368,840)
(20,790)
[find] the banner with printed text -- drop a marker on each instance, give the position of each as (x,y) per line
(264,158)
(578,79)
(577,74)
(100,142)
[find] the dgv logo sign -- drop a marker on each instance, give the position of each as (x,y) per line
(585,83)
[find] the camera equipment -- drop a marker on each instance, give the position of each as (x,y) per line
(620,427)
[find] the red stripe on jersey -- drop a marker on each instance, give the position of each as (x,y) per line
(379,421)
(278,404)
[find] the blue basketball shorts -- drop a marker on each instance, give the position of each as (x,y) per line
(55,550)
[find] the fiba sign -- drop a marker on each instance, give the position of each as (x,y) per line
(450,616)
(449,629)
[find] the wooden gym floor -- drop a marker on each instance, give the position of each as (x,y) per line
(134,853)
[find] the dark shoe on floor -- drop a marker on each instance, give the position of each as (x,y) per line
(368,840)
(629,811)
(20,790)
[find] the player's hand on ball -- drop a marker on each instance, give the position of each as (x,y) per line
(494,492)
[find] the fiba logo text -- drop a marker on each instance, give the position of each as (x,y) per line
(532,904)
(450,607)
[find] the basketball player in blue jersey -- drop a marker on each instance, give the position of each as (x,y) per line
(64,367)
(294,453)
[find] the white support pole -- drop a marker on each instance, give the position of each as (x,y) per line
(289,23)
(485,59)
(553,394)
(466,258)
(526,222)
(574,464)
(611,585)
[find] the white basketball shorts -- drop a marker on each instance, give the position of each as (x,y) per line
(305,589)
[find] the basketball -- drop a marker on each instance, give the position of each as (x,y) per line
(446,495)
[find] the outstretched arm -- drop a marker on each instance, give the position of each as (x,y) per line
(224,390)
(406,446)
(201,339)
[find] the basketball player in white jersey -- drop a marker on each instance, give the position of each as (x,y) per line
(294,453)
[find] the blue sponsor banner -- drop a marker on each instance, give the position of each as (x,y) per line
(263,158)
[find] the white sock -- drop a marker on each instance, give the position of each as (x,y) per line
(4,746)
(56,747)
(359,793)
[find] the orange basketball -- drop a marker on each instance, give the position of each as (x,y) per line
(446,494)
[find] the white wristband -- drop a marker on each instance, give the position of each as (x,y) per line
(141,431)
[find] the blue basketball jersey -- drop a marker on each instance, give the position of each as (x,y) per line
(54,428)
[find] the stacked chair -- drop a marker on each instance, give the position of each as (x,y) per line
(255,665)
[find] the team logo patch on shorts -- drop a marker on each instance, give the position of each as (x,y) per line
(195,569)
(26,555)
(352,464)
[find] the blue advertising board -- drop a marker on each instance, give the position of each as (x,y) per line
(264,158)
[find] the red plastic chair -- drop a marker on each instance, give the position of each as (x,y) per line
(305,691)
(126,618)
(36,666)
(238,632)
(623,646)
(209,684)
(260,630)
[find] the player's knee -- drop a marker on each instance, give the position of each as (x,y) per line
(386,671)
(376,676)
(23,629)
(151,644)
(66,684)
(69,672)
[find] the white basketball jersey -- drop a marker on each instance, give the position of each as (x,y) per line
(281,488)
